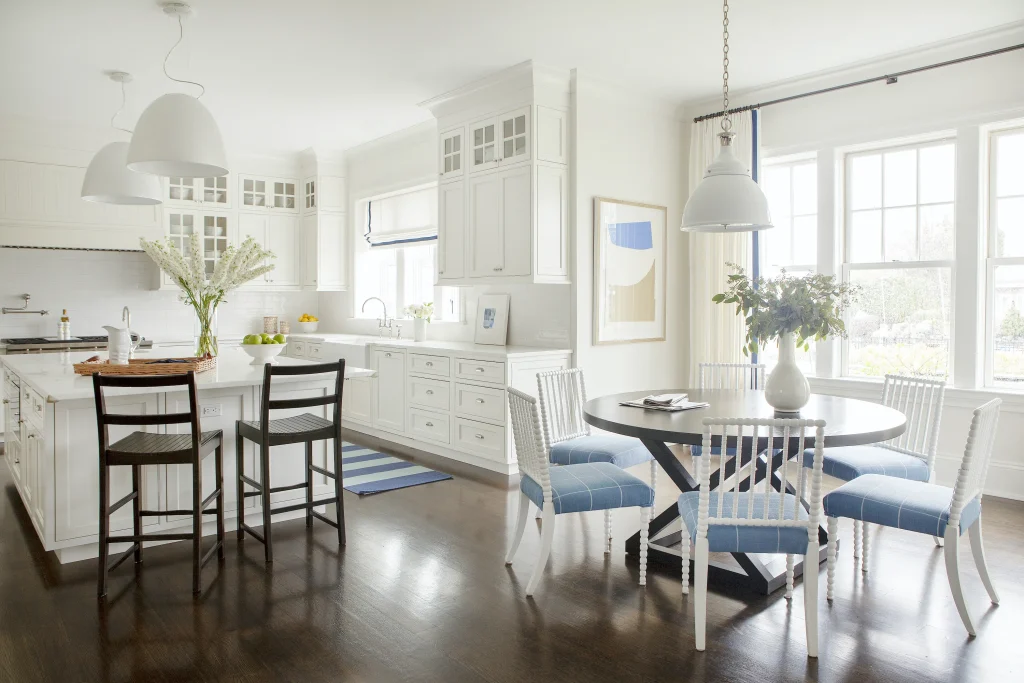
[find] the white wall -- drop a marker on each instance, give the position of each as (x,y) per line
(628,147)
(957,99)
(538,314)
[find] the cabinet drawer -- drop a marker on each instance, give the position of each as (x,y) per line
(430,393)
(297,349)
(480,370)
(430,365)
(429,426)
(482,403)
(480,439)
(313,351)
(33,407)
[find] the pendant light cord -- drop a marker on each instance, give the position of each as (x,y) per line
(119,110)
(181,35)
(726,121)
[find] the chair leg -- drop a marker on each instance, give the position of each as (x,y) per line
(654,475)
(339,489)
(137,509)
(268,551)
(197,527)
(865,546)
(524,512)
(240,486)
(101,587)
(700,589)
(219,470)
(684,547)
(309,484)
(979,560)
(645,526)
(789,576)
(811,597)
(856,541)
(547,532)
(951,548)
(833,538)
(607,532)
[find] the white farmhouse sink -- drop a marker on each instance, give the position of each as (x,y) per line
(353,352)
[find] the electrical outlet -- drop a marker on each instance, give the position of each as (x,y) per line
(211,411)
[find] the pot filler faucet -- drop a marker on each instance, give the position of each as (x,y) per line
(386,323)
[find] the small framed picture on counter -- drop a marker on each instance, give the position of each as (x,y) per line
(491,319)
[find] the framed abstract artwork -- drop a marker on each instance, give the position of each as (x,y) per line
(491,319)
(630,258)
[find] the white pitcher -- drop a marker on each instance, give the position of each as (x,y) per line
(119,344)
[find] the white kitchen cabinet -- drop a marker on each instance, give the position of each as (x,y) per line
(483,145)
(309,195)
(389,390)
(268,194)
(331,193)
(451,251)
(323,252)
(500,223)
(212,193)
(214,230)
(552,206)
(310,240)
(357,400)
(280,234)
(503,139)
(552,139)
(451,162)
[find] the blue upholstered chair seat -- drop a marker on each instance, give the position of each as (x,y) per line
(900,503)
(849,462)
(621,451)
(590,486)
(715,450)
(738,538)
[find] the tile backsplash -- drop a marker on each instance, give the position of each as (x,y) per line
(95,286)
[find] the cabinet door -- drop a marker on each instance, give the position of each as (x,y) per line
(552,232)
(213,191)
(333,258)
(551,135)
(483,152)
(357,400)
(254,192)
(283,240)
(283,195)
(485,225)
(514,136)
(255,226)
(181,190)
(389,391)
(179,227)
(215,239)
(309,194)
(451,231)
(516,223)
(451,153)
(310,261)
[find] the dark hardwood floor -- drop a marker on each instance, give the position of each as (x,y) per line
(421,594)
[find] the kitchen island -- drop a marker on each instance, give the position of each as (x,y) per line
(51,444)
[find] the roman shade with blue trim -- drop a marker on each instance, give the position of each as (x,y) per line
(849,462)
(746,538)
(589,486)
(621,451)
(401,219)
(899,503)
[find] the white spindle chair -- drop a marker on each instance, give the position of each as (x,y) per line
(737,376)
(760,519)
(909,456)
(580,487)
(926,508)
(562,395)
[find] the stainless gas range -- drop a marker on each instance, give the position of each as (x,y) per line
(52,344)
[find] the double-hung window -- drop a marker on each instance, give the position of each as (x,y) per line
(1004,363)
(791,185)
(899,227)
(396,253)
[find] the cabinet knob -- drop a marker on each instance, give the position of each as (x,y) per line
(430,364)
(430,392)
(430,424)
(479,436)
(387,355)
(479,400)
(479,369)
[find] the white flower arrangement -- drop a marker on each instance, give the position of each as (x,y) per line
(421,311)
(236,266)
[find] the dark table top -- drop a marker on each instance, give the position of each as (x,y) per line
(848,421)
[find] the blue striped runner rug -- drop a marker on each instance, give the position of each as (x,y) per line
(368,471)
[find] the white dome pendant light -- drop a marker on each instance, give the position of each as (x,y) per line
(727,199)
(108,179)
(176,135)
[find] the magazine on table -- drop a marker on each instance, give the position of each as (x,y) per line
(670,403)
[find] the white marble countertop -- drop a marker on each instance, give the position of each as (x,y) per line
(52,374)
(430,345)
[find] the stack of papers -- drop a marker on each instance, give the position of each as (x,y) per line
(669,403)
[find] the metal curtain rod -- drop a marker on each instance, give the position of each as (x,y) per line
(888,78)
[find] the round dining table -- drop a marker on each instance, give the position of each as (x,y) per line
(848,422)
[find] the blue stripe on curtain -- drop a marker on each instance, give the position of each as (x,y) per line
(754,173)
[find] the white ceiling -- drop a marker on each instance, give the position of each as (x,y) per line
(291,74)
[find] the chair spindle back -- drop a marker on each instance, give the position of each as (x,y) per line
(970,480)
(920,400)
(562,396)
(531,449)
(738,376)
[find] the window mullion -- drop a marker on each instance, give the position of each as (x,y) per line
(968,312)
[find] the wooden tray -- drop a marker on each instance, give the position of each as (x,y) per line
(148,366)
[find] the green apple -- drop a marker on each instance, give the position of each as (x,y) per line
(279,338)
(252,339)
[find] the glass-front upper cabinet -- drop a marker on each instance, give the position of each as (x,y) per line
(188,191)
(310,194)
(215,190)
(284,195)
(215,240)
(214,237)
(483,147)
(496,141)
(254,193)
(451,153)
(514,128)
(269,194)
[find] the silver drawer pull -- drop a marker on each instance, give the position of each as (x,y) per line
(479,436)
(430,392)
(430,364)
(430,424)
(387,355)
(479,369)
(479,400)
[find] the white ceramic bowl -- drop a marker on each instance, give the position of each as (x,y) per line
(307,327)
(263,353)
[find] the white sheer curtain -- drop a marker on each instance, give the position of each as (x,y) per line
(716,332)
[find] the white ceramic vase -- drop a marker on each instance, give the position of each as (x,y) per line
(787,390)
(419,329)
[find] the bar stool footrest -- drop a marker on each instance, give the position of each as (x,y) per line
(251,482)
(321,470)
(252,532)
(209,553)
(111,566)
(292,487)
(117,506)
(209,499)
(303,506)
(324,518)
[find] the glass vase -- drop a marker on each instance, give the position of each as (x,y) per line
(204,332)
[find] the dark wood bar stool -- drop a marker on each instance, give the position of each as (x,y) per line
(305,428)
(145,448)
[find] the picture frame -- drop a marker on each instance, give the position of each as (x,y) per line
(491,325)
(630,271)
